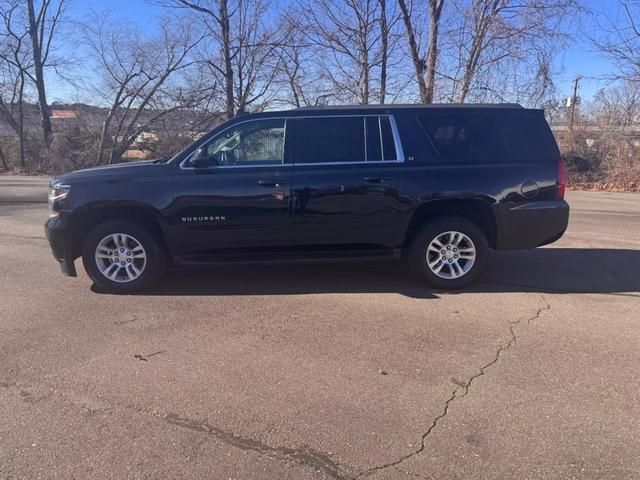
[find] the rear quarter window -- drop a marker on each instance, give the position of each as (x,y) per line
(489,138)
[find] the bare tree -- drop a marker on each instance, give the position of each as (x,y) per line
(255,61)
(43,24)
(293,66)
(617,106)
(136,76)
(425,68)
(240,51)
(505,47)
(348,38)
(435,12)
(218,24)
(384,49)
(621,41)
(608,150)
(414,49)
(299,77)
(14,67)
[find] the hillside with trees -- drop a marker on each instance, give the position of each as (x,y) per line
(153,91)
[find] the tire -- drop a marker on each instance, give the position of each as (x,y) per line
(466,250)
(122,257)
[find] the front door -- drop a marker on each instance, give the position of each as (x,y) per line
(240,199)
(345,182)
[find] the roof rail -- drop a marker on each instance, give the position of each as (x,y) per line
(412,105)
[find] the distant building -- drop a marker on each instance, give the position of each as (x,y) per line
(135,153)
(63,115)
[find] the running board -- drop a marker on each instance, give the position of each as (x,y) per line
(295,257)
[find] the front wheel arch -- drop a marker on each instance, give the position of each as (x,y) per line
(87,218)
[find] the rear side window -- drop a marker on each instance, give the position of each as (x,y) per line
(489,138)
(329,140)
(344,139)
(388,145)
(374,139)
(380,144)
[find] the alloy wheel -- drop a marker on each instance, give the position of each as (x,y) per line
(451,255)
(120,257)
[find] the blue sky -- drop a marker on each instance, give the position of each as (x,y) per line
(579,59)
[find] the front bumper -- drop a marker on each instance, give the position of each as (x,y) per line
(531,224)
(60,242)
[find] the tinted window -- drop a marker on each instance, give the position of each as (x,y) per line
(490,138)
(380,144)
(539,140)
(258,142)
(388,145)
(374,139)
(329,139)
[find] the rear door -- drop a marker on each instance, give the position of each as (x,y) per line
(345,182)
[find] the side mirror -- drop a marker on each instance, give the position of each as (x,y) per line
(200,158)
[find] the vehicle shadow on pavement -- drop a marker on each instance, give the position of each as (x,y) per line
(544,270)
(298,279)
(563,270)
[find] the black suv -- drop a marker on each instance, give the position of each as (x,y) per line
(437,185)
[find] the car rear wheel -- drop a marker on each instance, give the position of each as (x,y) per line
(123,257)
(449,252)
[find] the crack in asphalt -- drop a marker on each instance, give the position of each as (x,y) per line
(303,456)
(320,461)
(461,391)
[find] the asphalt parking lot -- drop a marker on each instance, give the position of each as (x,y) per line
(334,371)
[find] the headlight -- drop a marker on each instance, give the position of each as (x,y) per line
(57,192)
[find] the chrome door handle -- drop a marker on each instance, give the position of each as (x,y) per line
(271,182)
(376,179)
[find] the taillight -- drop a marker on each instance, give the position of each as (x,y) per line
(561,184)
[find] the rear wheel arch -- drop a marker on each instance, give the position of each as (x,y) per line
(476,210)
(87,218)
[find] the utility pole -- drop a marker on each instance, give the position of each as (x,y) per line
(572,105)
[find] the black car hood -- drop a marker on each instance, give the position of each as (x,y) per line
(118,170)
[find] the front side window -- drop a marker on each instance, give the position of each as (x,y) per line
(253,143)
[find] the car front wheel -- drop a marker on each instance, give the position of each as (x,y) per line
(449,252)
(123,257)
